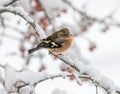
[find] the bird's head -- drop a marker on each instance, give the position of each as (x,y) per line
(64,32)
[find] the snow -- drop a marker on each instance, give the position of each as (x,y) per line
(40,31)
(97,77)
(53,9)
(4,2)
(25,4)
(21,12)
(108,84)
(27,77)
(15,78)
(25,90)
(1,78)
(18,10)
(78,80)
(58,91)
(10,77)
(98,59)
(3,91)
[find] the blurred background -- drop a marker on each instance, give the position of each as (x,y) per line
(95,25)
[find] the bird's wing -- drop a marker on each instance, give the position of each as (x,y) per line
(59,41)
(47,43)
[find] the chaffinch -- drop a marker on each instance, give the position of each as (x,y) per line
(57,43)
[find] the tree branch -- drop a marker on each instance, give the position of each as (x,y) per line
(103,81)
(93,19)
(20,11)
(66,61)
(10,3)
(53,77)
(47,16)
(2,66)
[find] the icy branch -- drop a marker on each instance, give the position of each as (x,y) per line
(20,11)
(94,75)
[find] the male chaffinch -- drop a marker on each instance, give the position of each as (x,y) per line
(57,43)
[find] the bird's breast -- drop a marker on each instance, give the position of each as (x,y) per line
(64,47)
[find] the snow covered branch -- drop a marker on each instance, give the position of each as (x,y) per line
(20,79)
(25,78)
(48,77)
(20,11)
(2,66)
(9,2)
(94,19)
(94,75)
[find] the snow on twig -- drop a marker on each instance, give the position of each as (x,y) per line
(9,2)
(20,11)
(2,66)
(21,79)
(94,19)
(26,76)
(94,75)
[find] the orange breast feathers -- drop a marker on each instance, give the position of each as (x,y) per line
(65,46)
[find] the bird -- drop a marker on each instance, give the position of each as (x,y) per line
(57,43)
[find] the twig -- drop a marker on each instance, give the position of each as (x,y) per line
(94,81)
(96,89)
(93,19)
(2,66)
(53,77)
(47,16)
(62,58)
(58,76)
(28,59)
(10,3)
(20,11)
(2,20)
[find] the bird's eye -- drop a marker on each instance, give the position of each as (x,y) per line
(63,33)
(66,33)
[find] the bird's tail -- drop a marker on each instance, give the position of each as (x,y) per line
(33,50)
